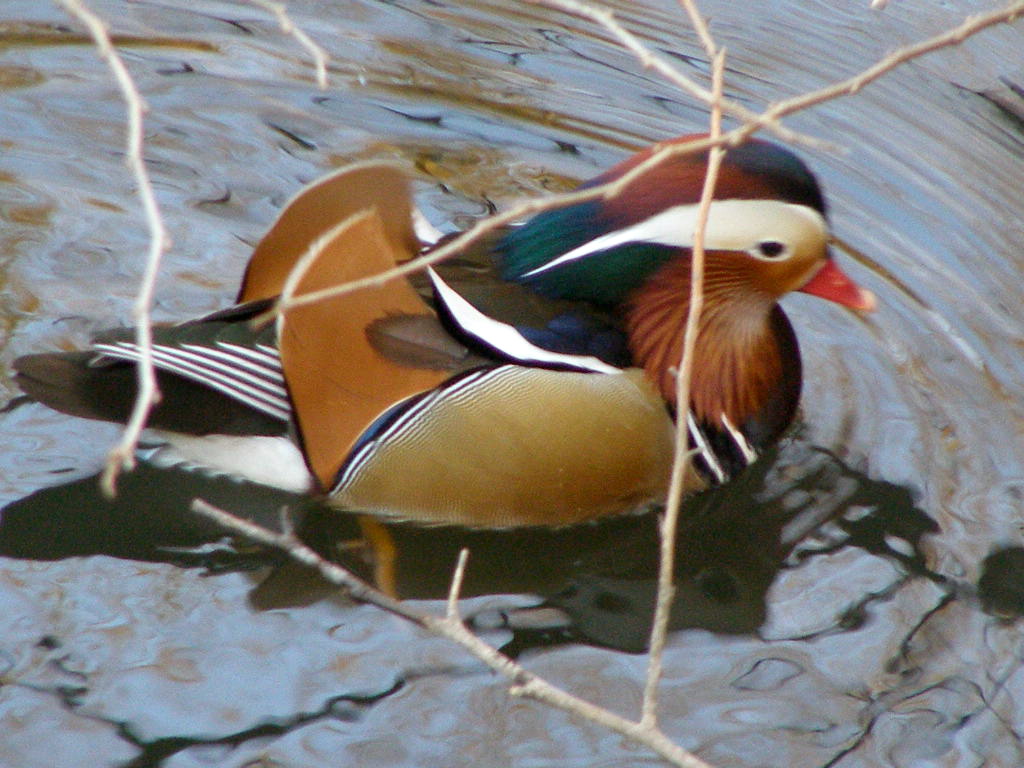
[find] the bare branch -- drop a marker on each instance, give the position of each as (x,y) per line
(631,43)
(288,542)
(122,456)
(524,682)
(651,61)
(453,246)
(769,118)
(766,120)
(970,26)
(700,26)
(288,300)
(320,57)
(681,463)
(485,226)
(452,612)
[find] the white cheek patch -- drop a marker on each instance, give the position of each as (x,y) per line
(732,225)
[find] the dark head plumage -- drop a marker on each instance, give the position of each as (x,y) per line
(534,253)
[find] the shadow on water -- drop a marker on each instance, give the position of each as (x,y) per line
(597,581)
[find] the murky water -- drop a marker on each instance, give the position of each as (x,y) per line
(887,636)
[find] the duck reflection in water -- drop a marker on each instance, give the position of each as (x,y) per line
(596,581)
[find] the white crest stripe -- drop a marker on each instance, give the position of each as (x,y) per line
(732,225)
(665,228)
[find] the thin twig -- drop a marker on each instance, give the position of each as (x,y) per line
(320,57)
(122,456)
(453,246)
(770,117)
(681,463)
(288,542)
(700,26)
(687,85)
(452,611)
(287,300)
(631,43)
(524,682)
(970,26)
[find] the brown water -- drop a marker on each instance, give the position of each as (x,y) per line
(886,637)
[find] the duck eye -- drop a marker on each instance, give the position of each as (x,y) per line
(770,249)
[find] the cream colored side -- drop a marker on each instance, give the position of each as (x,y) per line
(527,447)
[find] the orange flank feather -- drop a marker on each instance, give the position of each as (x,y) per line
(321,206)
(338,381)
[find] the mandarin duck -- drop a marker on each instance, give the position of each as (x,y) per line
(527,381)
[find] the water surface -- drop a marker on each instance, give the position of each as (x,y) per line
(886,636)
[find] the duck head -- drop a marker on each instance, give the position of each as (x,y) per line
(766,235)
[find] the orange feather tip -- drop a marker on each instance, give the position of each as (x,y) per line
(831,283)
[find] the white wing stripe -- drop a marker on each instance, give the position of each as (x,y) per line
(264,356)
(271,376)
(744,446)
(204,372)
(506,338)
(203,359)
(272,403)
